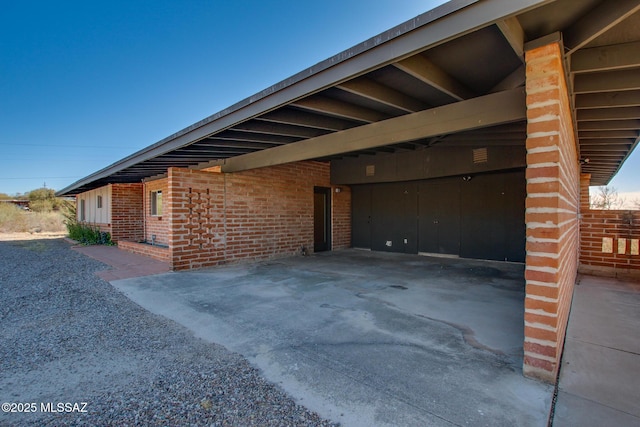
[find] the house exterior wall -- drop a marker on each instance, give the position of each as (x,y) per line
(120,214)
(156,225)
(98,216)
(127,221)
(609,239)
(216,218)
(552,211)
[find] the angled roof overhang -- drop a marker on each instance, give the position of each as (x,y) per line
(452,75)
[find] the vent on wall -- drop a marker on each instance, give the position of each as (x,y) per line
(480,155)
(370,170)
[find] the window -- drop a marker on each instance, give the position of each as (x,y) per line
(156,203)
(99,202)
(82,211)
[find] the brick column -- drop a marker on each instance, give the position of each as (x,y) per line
(127,218)
(552,206)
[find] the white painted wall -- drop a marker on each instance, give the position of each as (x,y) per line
(94,214)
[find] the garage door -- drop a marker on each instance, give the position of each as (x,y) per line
(481,217)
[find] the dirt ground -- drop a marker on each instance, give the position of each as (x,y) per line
(11,236)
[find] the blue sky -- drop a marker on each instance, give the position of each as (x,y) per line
(84,83)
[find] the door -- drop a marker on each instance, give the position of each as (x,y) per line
(321,219)
(439,217)
(361,216)
(494,227)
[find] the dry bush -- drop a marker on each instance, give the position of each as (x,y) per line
(14,219)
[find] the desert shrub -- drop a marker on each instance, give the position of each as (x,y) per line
(12,218)
(88,234)
(45,221)
(43,200)
(44,205)
(17,220)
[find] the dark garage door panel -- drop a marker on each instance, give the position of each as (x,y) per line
(478,218)
(492,225)
(393,219)
(439,216)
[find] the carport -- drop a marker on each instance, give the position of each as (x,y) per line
(463,132)
(369,338)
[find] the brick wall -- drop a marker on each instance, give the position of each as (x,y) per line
(156,225)
(552,208)
(155,252)
(257,214)
(127,221)
(195,218)
(121,211)
(609,242)
(609,239)
(341,218)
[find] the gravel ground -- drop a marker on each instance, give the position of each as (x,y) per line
(69,338)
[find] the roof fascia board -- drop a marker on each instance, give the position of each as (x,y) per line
(450,20)
(484,111)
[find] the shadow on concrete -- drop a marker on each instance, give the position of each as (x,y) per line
(367,338)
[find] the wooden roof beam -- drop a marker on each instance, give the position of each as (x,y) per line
(514,34)
(484,111)
(301,118)
(421,68)
(601,19)
(377,92)
(627,98)
(607,81)
(606,58)
(324,105)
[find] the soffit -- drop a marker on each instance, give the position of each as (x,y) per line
(447,57)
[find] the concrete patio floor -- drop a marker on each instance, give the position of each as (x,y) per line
(599,382)
(367,338)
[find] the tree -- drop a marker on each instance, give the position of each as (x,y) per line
(607,198)
(4,196)
(43,200)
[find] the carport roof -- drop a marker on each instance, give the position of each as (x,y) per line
(452,75)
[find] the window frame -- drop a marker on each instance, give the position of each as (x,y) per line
(155,203)
(83,211)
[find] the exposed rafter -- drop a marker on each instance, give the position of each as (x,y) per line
(301,118)
(514,34)
(489,110)
(606,58)
(601,19)
(609,81)
(278,129)
(370,89)
(621,113)
(421,68)
(333,107)
(628,98)
(512,81)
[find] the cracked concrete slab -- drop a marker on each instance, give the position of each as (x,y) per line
(368,338)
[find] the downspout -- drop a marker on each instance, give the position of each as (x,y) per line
(144,212)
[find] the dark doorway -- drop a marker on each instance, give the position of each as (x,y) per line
(361,216)
(439,217)
(321,219)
